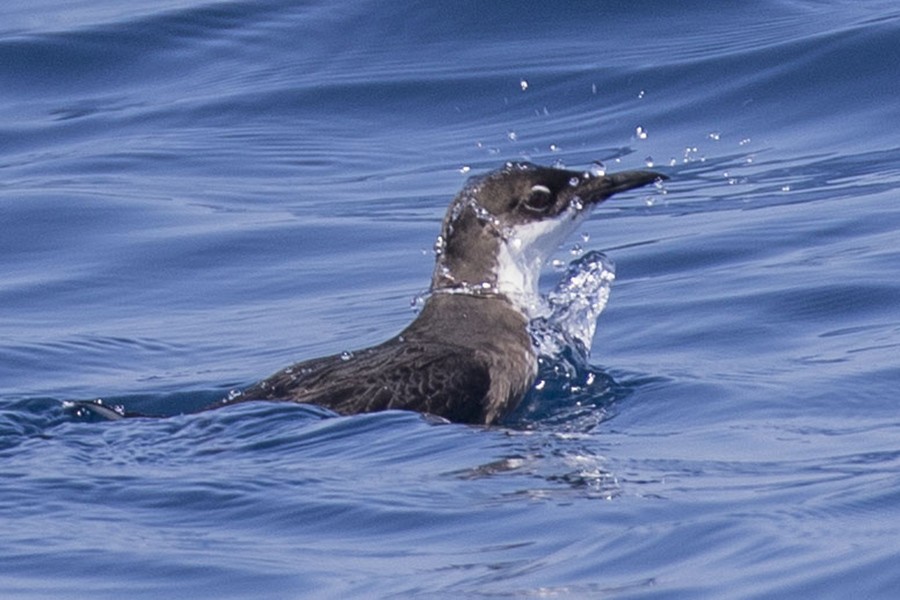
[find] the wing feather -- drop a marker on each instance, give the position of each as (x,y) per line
(445,380)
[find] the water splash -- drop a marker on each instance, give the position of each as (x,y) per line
(569,394)
(573,307)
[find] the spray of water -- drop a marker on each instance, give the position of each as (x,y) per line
(572,308)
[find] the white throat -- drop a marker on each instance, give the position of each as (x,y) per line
(523,254)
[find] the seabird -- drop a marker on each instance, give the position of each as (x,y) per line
(468,356)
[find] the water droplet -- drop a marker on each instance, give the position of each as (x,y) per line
(744,142)
(512,136)
(785,188)
(648,161)
(574,181)
(577,203)
(523,84)
(641,94)
(439,245)
(558,264)
(234,395)
(559,164)
(418,301)
(554,148)
(640,132)
(481,213)
(689,154)
(715,136)
(540,385)
(346,355)
(649,200)
(576,250)
(593,88)
(585,237)
(598,169)
(465,169)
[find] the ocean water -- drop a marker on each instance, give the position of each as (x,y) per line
(196,194)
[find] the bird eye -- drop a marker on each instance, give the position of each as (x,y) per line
(540,199)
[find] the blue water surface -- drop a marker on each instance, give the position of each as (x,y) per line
(196,194)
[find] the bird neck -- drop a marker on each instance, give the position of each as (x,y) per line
(470,319)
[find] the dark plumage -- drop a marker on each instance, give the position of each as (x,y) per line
(442,364)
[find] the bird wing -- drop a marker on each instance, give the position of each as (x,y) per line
(439,379)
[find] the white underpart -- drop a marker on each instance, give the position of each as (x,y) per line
(524,252)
